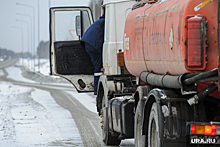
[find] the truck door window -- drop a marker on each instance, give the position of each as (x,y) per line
(65,24)
(86,21)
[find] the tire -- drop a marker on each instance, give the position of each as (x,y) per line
(108,139)
(153,128)
(137,126)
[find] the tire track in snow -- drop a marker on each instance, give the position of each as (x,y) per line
(81,115)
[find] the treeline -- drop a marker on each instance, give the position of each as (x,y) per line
(42,52)
(7,53)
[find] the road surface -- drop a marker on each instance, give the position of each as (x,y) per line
(46,114)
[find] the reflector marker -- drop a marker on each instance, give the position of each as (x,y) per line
(201,5)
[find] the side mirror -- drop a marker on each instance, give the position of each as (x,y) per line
(78,25)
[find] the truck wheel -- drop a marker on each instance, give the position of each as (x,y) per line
(153,127)
(108,139)
(137,126)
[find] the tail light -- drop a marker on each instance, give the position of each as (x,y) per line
(196,42)
(210,129)
(205,130)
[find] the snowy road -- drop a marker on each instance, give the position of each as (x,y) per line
(45,114)
(7,63)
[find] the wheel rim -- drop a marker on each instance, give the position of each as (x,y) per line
(153,134)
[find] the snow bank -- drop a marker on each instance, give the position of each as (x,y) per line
(30,117)
(44,65)
(15,74)
(7,126)
(1,72)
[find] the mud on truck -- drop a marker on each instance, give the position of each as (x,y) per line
(160,83)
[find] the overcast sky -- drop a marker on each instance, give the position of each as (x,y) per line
(10,37)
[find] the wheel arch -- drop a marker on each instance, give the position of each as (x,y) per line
(172,116)
(154,96)
(141,94)
(105,88)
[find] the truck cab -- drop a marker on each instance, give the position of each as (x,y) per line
(68,58)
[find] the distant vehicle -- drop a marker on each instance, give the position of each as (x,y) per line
(3,58)
(160,83)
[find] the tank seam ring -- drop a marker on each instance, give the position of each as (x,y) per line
(162,80)
(179,81)
(147,76)
(154,79)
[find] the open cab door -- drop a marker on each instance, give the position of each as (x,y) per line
(68,57)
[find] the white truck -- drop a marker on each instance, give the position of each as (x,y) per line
(69,59)
(159,94)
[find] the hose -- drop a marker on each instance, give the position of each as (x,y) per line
(175,81)
(202,94)
(201,76)
(213,79)
(160,80)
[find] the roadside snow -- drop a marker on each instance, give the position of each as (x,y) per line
(15,74)
(44,65)
(1,72)
(7,100)
(30,117)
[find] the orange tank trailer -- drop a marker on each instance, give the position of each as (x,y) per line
(155,38)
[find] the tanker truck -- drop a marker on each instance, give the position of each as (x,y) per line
(161,72)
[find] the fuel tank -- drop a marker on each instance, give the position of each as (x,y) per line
(173,36)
